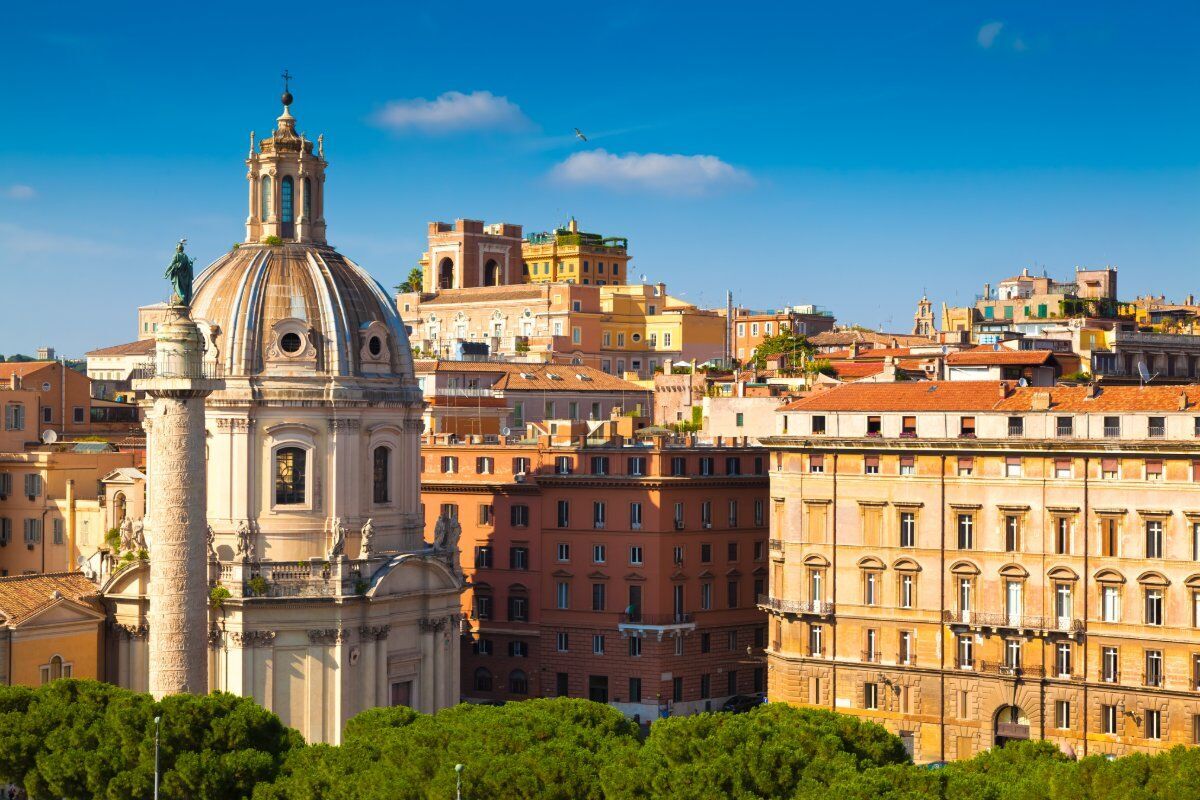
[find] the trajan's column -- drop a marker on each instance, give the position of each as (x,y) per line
(177,526)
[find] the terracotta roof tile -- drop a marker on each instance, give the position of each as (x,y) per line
(484,294)
(511,376)
(22,596)
(1002,357)
(22,368)
(142,347)
(849,370)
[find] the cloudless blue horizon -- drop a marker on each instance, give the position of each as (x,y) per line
(859,153)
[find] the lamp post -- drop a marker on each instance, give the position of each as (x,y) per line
(458,768)
(157,725)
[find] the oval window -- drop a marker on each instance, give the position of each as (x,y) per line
(637,337)
(291,343)
(375,346)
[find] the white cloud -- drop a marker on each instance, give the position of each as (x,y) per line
(659,172)
(19,191)
(988,33)
(452,112)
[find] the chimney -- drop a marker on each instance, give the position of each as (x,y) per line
(987,291)
(1040,401)
(1003,390)
(1091,392)
(854,348)
(14,381)
(1183,400)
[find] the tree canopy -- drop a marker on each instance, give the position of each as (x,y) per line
(791,345)
(83,739)
(413,282)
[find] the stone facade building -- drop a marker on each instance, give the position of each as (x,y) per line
(968,563)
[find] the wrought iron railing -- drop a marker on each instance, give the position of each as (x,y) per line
(795,606)
(993,619)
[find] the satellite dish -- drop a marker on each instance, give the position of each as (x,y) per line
(1143,373)
(1022,383)
(50,437)
(644,277)
(505,431)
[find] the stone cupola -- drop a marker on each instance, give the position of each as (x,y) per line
(286,184)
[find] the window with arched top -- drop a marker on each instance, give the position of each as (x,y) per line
(286,203)
(118,509)
(264,197)
(290,464)
(518,683)
(381,472)
(483,680)
(308,199)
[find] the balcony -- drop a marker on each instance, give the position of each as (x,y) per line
(779,605)
(639,623)
(870,656)
(1000,620)
(1112,431)
(1011,670)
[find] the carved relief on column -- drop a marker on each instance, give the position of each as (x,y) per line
(252,638)
(235,424)
(328,636)
(432,624)
(337,424)
(374,632)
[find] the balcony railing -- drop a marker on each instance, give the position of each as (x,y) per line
(1112,431)
(795,606)
(1011,670)
(870,656)
(1110,677)
(966,664)
(1152,679)
(185,368)
(992,619)
(657,620)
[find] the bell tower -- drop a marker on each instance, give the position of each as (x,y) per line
(286,183)
(924,322)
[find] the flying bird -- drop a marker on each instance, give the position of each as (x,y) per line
(579,133)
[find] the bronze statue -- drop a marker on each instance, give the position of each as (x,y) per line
(179,273)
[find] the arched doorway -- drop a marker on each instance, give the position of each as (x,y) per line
(1012,725)
(446,274)
(491,273)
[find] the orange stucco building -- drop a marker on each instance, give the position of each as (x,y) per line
(51,626)
(620,569)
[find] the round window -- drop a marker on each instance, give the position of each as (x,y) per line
(46,387)
(375,346)
(637,337)
(291,343)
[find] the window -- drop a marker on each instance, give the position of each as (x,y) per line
(599,554)
(1154,606)
(564,513)
(733,465)
(517,682)
(518,649)
(562,596)
(1196,541)
(1062,659)
(289,475)
(564,552)
(598,644)
(265,198)
(907,589)
(599,465)
(966,652)
(733,513)
(908,529)
(14,417)
(874,426)
(815,640)
(483,556)
(1016,426)
(1062,535)
(1109,536)
(519,516)
(1109,468)
(635,555)
(56,528)
(1154,668)
(482,647)
(1012,533)
(1062,468)
(678,466)
(1154,538)
(871,589)
(905,650)
(706,466)
(1154,470)
(1064,426)
(1110,601)
(679,516)
(966,427)
(562,642)
(635,646)
(706,514)
(706,603)
(483,607)
(1157,427)
(599,596)
(1108,719)
(871,465)
(518,558)
(1012,467)
(1153,724)
(677,555)
(966,532)
(966,466)
(562,465)
(485,465)
(449,464)
(1109,665)
(706,554)
(599,514)
(381,474)
(1062,714)
(908,465)
(760,513)
(1112,427)
(47,414)
(731,594)
(77,415)
(965,590)
(871,696)
(518,609)
(818,424)
(816,463)
(487,514)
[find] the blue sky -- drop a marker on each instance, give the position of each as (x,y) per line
(845,154)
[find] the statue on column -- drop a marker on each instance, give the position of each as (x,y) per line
(245,544)
(211,541)
(127,542)
(179,273)
(338,548)
(368,539)
(445,540)
(139,535)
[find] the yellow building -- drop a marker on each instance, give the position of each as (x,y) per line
(642,329)
(971,563)
(567,254)
(51,626)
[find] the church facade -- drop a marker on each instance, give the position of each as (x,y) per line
(321,596)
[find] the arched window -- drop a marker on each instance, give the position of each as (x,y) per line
(517,682)
(265,197)
(289,475)
(56,668)
(446,274)
(382,474)
(285,200)
(483,680)
(491,273)
(308,199)
(118,509)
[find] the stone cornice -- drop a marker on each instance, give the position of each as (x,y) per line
(1098,447)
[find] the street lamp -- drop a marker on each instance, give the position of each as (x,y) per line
(458,768)
(157,725)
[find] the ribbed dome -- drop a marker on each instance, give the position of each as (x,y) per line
(298,309)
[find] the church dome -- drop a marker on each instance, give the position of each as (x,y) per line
(297,309)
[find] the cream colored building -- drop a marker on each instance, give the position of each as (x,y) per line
(968,563)
(327,600)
